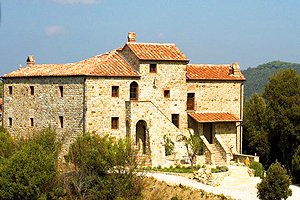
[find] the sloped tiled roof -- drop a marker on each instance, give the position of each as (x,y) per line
(108,64)
(157,51)
(214,117)
(212,72)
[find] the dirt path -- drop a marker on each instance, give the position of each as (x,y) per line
(238,185)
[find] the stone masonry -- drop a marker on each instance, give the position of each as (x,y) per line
(143,91)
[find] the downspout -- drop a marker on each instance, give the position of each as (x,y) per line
(241,116)
(84,107)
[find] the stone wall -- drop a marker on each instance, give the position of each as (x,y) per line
(101,106)
(217,96)
(45,106)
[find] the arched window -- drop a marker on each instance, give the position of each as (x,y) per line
(134,87)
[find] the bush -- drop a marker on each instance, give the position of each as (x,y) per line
(258,168)
(296,165)
(105,169)
(30,172)
(219,169)
(275,186)
(7,145)
(169,145)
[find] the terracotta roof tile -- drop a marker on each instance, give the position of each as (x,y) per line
(214,117)
(108,64)
(156,51)
(212,72)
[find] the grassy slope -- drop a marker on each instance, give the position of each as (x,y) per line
(257,77)
(154,189)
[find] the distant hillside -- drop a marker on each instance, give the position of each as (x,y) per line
(256,78)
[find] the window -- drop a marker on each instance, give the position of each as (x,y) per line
(115,91)
(9,121)
(114,122)
(10,90)
(175,120)
(61,91)
(167,93)
(61,121)
(31,122)
(134,91)
(31,90)
(190,103)
(153,68)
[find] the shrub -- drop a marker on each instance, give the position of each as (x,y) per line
(7,145)
(258,168)
(105,169)
(30,172)
(296,165)
(219,169)
(275,186)
(169,145)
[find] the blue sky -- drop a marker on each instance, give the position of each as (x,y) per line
(250,32)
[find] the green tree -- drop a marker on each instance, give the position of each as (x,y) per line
(30,172)
(194,146)
(282,95)
(105,168)
(255,135)
(275,186)
(296,165)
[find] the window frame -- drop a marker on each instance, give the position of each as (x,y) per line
(153,68)
(134,91)
(114,123)
(167,93)
(31,122)
(175,120)
(31,90)
(10,90)
(61,121)
(10,122)
(115,91)
(61,90)
(190,101)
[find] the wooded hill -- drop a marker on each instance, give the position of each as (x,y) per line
(256,78)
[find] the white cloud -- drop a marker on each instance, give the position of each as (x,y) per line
(77,1)
(54,30)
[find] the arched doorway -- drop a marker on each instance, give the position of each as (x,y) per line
(134,88)
(142,137)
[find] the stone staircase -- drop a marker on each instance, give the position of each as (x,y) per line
(217,156)
(144,160)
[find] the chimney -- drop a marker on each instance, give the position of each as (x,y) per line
(131,37)
(235,68)
(30,60)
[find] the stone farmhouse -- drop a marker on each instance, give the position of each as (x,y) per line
(142,90)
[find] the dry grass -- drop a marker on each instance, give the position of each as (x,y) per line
(154,190)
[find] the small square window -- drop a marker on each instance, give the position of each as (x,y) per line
(114,122)
(9,121)
(61,121)
(10,90)
(115,91)
(61,91)
(31,122)
(175,120)
(31,90)
(167,93)
(153,68)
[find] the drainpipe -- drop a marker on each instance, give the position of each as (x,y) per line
(84,107)
(241,115)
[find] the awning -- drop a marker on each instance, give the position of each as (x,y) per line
(214,117)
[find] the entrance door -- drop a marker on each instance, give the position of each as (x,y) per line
(208,132)
(141,136)
(190,103)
